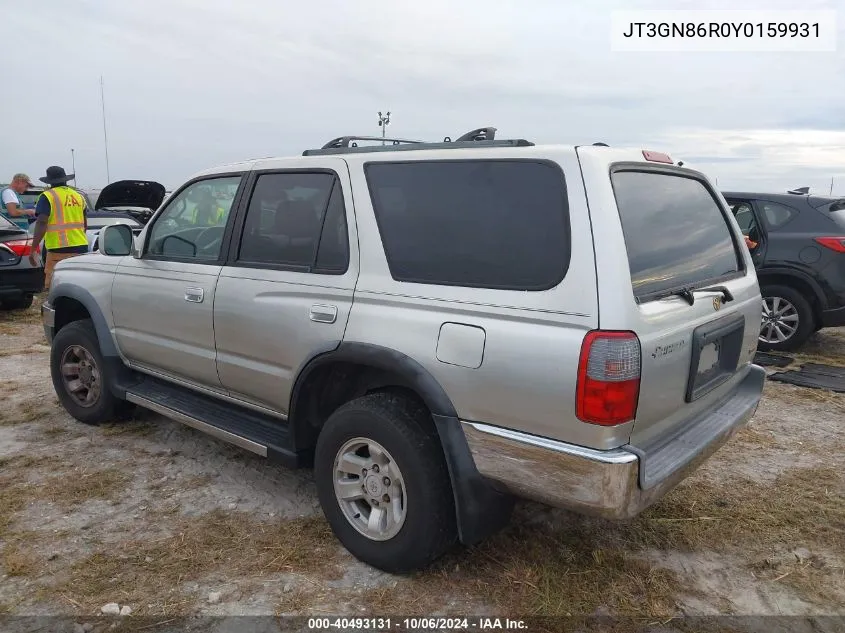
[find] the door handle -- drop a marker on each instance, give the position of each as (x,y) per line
(194,295)
(323,313)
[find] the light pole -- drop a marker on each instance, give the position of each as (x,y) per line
(73,166)
(383,122)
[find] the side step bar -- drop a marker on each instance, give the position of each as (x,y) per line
(246,429)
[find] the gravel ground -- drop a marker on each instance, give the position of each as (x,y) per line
(161,521)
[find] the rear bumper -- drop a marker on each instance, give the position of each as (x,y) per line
(614,484)
(833,318)
(21,281)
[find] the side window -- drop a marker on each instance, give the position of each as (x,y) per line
(192,225)
(744,215)
(473,223)
(296,219)
(776,215)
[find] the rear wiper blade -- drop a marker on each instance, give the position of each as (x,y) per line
(684,293)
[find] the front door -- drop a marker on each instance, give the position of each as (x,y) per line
(286,293)
(162,301)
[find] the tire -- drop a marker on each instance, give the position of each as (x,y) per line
(78,342)
(398,424)
(800,308)
(19,303)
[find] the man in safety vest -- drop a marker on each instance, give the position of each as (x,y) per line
(61,222)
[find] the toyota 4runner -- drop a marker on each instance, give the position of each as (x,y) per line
(435,328)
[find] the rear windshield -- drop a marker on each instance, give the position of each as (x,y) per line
(676,234)
(837,212)
(487,224)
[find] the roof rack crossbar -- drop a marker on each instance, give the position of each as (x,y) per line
(350,141)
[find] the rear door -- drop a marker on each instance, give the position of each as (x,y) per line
(673,268)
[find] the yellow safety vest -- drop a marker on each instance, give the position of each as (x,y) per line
(216,216)
(66,226)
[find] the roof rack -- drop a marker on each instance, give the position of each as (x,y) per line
(481,137)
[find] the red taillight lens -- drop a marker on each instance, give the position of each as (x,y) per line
(21,248)
(834,243)
(608,378)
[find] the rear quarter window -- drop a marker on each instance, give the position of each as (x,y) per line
(499,224)
(676,233)
(776,215)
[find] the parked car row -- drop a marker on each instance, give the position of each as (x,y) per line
(797,244)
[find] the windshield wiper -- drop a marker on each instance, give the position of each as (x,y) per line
(684,293)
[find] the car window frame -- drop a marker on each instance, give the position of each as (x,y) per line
(227,230)
(718,199)
(240,223)
(567,218)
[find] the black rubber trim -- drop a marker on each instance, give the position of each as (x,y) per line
(833,318)
(481,509)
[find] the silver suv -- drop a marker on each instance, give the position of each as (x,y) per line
(435,328)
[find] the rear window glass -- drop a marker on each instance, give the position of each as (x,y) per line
(486,224)
(675,232)
(777,215)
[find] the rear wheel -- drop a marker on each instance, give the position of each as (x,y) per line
(18,303)
(77,366)
(383,483)
(787,319)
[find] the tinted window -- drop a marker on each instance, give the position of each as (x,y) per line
(777,215)
(675,232)
(287,215)
(490,224)
(193,223)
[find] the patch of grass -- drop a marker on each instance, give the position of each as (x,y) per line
(756,438)
(801,506)
(812,579)
(54,432)
(79,485)
(19,561)
(140,429)
(145,572)
(297,601)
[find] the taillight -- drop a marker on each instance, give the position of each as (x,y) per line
(834,243)
(21,248)
(608,378)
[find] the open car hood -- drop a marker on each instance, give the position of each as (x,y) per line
(144,194)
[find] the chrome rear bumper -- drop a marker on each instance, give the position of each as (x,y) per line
(609,483)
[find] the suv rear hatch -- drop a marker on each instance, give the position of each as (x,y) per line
(673,270)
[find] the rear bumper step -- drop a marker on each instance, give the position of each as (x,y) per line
(614,484)
(251,431)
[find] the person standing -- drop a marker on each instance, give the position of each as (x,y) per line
(61,222)
(11,207)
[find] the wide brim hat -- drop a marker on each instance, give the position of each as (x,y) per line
(56,176)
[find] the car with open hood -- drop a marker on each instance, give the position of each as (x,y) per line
(136,198)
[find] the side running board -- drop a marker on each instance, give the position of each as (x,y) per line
(247,429)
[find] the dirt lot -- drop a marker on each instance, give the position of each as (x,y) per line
(169,522)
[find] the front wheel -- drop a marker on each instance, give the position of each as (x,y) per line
(77,369)
(787,319)
(383,483)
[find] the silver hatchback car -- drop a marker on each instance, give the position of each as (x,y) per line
(435,328)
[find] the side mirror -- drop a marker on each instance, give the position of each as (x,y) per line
(116,240)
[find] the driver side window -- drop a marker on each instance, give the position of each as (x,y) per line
(744,215)
(192,225)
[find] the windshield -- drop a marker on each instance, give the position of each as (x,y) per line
(6,225)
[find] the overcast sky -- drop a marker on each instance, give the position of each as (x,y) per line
(194,83)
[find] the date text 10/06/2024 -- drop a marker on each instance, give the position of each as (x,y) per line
(416,624)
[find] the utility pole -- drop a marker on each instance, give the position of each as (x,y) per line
(73,166)
(831,186)
(383,122)
(105,135)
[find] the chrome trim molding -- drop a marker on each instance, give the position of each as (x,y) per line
(613,456)
(199,425)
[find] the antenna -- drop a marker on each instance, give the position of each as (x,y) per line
(105,135)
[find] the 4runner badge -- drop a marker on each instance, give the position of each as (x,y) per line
(717,303)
